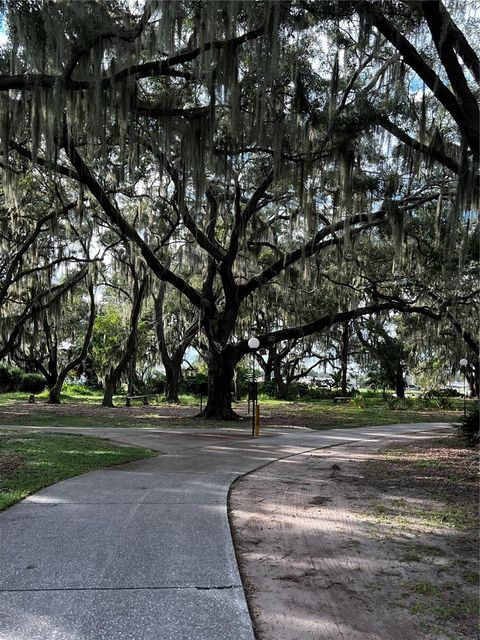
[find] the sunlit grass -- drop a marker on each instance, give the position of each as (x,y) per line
(29,462)
(79,411)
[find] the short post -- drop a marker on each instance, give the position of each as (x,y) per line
(257,420)
(127,401)
(31,399)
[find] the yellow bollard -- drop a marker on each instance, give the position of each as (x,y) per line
(257,420)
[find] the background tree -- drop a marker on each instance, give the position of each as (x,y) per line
(176,328)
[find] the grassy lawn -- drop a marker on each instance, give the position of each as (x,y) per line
(324,414)
(88,397)
(31,461)
(82,411)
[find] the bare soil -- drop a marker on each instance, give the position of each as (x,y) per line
(362,542)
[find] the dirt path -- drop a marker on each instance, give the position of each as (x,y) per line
(315,567)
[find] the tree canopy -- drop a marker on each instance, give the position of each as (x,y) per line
(316,160)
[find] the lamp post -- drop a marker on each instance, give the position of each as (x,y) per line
(253,344)
(463,364)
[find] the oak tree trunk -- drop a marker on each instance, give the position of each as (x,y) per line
(56,389)
(115,374)
(399,382)
(221,370)
(173,372)
(282,387)
(344,357)
(109,391)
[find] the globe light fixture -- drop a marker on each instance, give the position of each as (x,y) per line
(463,362)
(254,343)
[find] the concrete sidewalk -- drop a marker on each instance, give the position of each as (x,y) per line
(143,551)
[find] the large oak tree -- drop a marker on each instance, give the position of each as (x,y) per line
(259,140)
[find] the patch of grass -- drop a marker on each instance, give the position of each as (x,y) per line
(419,608)
(434,464)
(425,588)
(455,610)
(419,552)
(77,394)
(471,577)
(448,611)
(81,409)
(408,514)
(42,459)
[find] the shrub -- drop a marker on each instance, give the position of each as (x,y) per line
(469,429)
(442,393)
(425,403)
(360,401)
(308,392)
(371,393)
(298,390)
(10,378)
(77,390)
(444,402)
(31,383)
(267,389)
(14,379)
(192,384)
(156,383)
(401,404)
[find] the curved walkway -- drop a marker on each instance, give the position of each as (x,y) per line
(143,551)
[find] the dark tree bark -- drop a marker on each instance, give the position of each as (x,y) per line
(472,374)
(132,368)
(344,357)
(280,384)
(221,370)
(173,372)
(113,377)
(171,360)
(266,365)
(268,371)
(56,389)
(399,381)
(237,392)
(458,102)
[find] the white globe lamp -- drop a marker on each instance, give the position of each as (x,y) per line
(254,343)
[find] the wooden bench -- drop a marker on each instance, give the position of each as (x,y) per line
(128,400)
(342,399)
